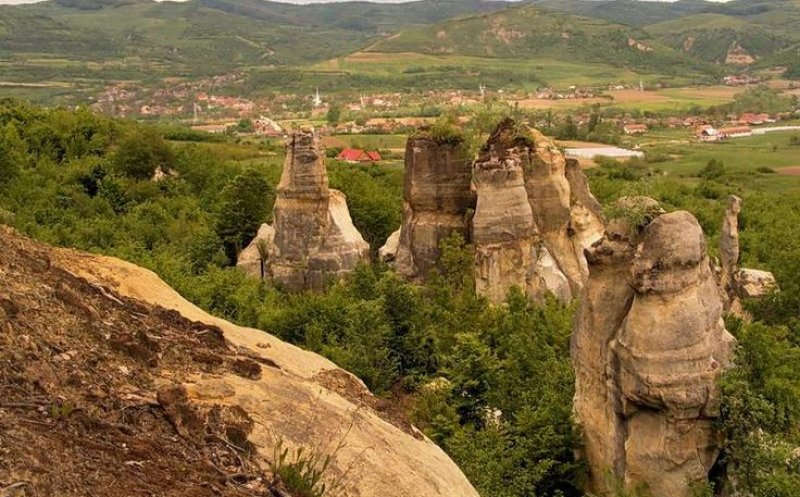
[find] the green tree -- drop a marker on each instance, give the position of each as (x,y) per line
(713,170)
(243,206)
(334,114)
(141,152)
(12,154)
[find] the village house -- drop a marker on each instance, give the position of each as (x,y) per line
(355,156)
(265,126)
(750,119)
(635,129)
(736,132)
(741,80)
(707,133)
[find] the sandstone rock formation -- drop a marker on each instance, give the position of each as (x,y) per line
(550,196)
(314,238)
(503,230)
(436,202)
(135,351)
(534,214)
(648,347)
(736,283)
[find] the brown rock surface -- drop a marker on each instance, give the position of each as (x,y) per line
(538,247)
(549,194)
(315,239)
(436,202)
(153,396)
(648,347)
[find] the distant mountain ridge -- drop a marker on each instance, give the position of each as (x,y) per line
(203,36)
(529,32)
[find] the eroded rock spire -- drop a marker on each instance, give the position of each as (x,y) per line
(313,239)
(648,348)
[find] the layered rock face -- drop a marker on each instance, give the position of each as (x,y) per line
(436,203)
(550,198)
(648,347)
(314,238)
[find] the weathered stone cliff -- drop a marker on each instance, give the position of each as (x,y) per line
(549,196)
(648,347)
(314,239)
(436,202)
(159,398)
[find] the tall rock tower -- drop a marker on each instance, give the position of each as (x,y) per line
(436,201)
(648,348)
(313,239)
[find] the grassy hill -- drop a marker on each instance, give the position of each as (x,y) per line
(532,34)
(198,36)
(629,12)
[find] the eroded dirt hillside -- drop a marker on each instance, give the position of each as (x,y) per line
(112,384)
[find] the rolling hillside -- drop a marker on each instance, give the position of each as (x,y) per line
(761,29)
(198,36)
(630,12)
(530,33)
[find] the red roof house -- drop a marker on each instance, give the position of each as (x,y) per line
(355,155)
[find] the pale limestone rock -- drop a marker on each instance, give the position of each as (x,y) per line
(648,348)
(437,201)
(254,259)
(546,277)
(315,240)
(388,252)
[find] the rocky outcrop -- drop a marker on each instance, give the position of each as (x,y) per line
(567,221)
(314,239)
(193,404)
(534,214)
(648,348)
(736,283)
(586,215)
(436,201)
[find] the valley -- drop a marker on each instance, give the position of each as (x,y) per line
(437,248)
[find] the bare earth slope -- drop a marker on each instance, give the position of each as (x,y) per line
(113,384)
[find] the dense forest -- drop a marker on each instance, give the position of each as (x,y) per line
(492,385)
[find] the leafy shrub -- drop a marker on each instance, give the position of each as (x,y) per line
(141,152)
(713,170)
(301,471)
